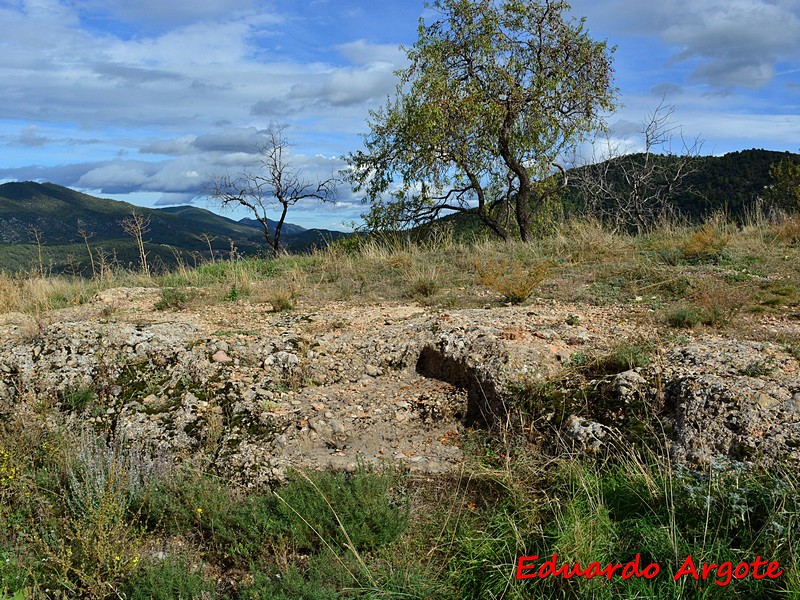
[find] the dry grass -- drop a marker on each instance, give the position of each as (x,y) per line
(716,267)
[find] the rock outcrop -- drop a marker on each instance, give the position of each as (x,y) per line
(256,393)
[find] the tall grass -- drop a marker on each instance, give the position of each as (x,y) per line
(580,261)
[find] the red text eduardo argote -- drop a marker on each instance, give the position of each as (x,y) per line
(530,567)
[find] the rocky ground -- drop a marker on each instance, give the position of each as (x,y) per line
(253,392)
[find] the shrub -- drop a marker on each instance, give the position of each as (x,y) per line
(423,287)
(169,579)
(684,317)
(282,300)
(173,298)
(512,279)
(362,510)
(706,244)
(624,356)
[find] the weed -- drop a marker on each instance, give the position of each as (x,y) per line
(173,577)
(786,231)
(623,356)
(79,399)
(172,298)
(705,244)
(512,279)
(577,360)
(282,300)
(233,294)
(422,287)
(760,368)
(684,317)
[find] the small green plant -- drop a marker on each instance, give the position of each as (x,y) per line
(233,294)
(422,287)
(684,317)
(624,356)
(572,320)
(282,300)
(168,579)
(579,359)
(172,298)
(759,368)
(79,399)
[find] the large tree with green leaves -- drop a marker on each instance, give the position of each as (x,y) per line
(496,91)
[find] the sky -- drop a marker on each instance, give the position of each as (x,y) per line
(145,101)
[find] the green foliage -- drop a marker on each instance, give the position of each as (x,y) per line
(495,93)
(684,317)
(282,300)
(363,510)
(235,293)
(623,356)
(169,579)
(78,399)
(785,189)
(172,298)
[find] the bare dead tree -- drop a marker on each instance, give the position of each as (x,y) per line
(86,235)
(277,185)
(208,238)
(37,234)
(136,225)
(634,190)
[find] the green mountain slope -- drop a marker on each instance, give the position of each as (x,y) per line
(59,213)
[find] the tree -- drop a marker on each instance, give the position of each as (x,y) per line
(136,225)
(784,192)
(496,91)
(277,184)
(86,235)
(37,234)
(633,190)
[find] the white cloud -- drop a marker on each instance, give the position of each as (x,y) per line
(727,43)
(158,13)
(362,52)
(154,97)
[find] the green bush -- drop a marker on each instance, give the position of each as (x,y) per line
(169,579)
(364,510)
(684,317)
(172,298)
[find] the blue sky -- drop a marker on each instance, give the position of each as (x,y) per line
(144,101)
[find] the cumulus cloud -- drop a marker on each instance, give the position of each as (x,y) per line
(156,96)
(30,136)
(738,42)
(727,43)
(347,87)
(244,140)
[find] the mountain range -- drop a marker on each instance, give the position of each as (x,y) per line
(65,220)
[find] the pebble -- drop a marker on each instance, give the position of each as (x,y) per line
(221,357)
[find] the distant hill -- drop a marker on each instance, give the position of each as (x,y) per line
(288,228)
(59,213)
(730,183)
